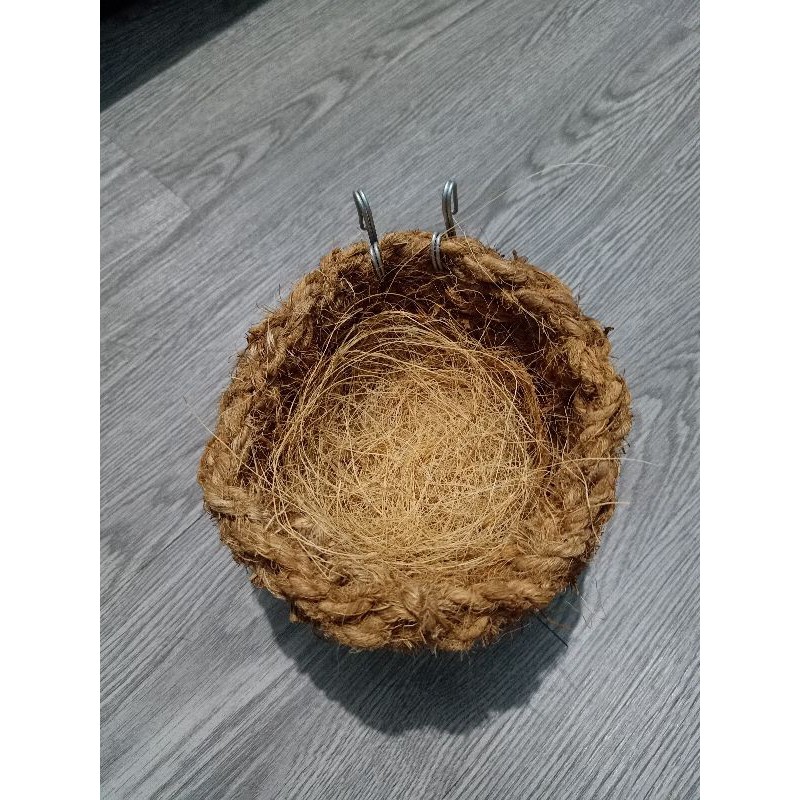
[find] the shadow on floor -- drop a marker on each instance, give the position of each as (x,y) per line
(454,692)
(140,39)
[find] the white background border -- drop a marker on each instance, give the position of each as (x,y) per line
(49,445)
(750,351)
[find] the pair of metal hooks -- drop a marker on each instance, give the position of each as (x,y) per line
(367,223)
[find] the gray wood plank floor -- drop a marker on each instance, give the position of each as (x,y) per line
(228,175)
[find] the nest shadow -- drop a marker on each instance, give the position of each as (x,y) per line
(454,692)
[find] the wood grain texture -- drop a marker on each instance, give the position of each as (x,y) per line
(224,178)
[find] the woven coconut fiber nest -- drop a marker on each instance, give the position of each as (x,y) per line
(419,460)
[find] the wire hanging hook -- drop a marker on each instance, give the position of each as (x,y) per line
(367,223)
(449,207)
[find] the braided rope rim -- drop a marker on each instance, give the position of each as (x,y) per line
(479,284)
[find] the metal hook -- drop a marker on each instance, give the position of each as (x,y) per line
(366,223)
(449,207)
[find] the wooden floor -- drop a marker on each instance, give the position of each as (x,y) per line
(225,176)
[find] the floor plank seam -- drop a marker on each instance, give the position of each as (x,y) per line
(117,587)
(139,165)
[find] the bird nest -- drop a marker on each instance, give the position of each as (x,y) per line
(423,460)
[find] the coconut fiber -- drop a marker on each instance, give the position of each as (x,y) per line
(423,460)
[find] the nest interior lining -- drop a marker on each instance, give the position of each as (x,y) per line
(413,450)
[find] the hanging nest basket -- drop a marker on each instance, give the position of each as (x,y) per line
(419,460)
